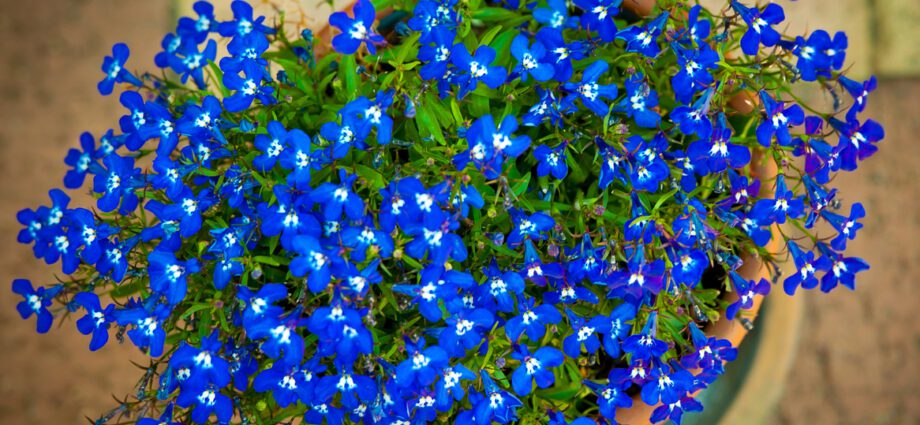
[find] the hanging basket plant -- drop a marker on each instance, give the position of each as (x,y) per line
(461,212)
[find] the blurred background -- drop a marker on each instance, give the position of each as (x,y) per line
(849,358)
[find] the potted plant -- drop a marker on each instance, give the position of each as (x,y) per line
(465,212)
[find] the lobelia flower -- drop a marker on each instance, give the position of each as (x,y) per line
(187,209)
(433,236)
(206,367)
(147,318)
(859,92)
(82,160)
(612,396)
(645,346)
(619,329)
(198,29)
(842,269)
(338,198)
(819,54)
(689,266)
(96,321)
(245,51)
(191,63)
(449,388)
(693,74)
(747,290)
(116,184)
(243,24)
(716,150)
(494,405)
(760,26)
(589,91)
(846,226)
(475,68)
(312,258)
(368,114)
(584,334)
(500,288)
(638,102)
(710,353)
(202,121)
(436,53)
(429,16)
(286,382)
(260,305)
(644,39)
(784,204)
(531,320)
(666,387)
(464,331)
(674,411)
(531,60)
(159,124)
(557,15)
(341,331)
(421,366)
(115,72)
(36,302)
(537,271)
(640,279)
(298,158)
(489,146)
(857,142)
(551,160)
(778,120)
(356,31)
(529,227)
(208,401)
(227,245)
(598,17)
(548,107)
(560,53)
(168,276)
(248,89)
(435,284)
(534,368)
(695,119)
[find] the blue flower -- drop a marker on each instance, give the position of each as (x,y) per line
(205,365)
(859,92)
(82,161)
(584,333)
(342,332)
(187,208)
(207,401)
(83,228)
(494,405)
(312,258)
(710,353)
(551,161)
(248,89)
(242,24)
(618,329)
(148,333)
(260,306)
(36,302)
(245,51)
(368,114)
(191,63)
(806,266)
(96,321)
(644,39)
(356,31)
(649,169)
(116,184)
(428,17)
(272,146)
(465,330)
(819,54)
(784,204)
(201,122)
(760,26)
(559,53)
(842,270)
(434,236)
(531,320)
(421,366)
(694,75)
(500,288)
(716,150)
(449,388)
(640,278)
(688,267)
(857,142)
(612,396)
(436,54)
(436,284)
(531,60)
(598,16)
(298,158)
(165,418)
(846,226)
(674,411)
(779,119)
(695,119)
(286,382)
(475,68)
(281,336)
(644,345)
(528,226)
(638,102)
(589,91)
(548,107)
(115,72)
(114,258)
(287,217)
(488,146)
(198,29)
(168,276)
(534,367)
(666,387)
(747,290)
(336,198)
(557,15)
(535,270)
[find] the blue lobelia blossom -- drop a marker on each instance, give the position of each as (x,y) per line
(598,16)
(364,236)
(169,177)
(689,265)
(529,227)
(465,330)
(710,353)
(640,279)
(644,39)
(82,160)
(534,368)
(532,61)
(227,246)
(778,120)
(531,320)
(717,151)
(282,340)
(859,92)
(207,401)
(366,114)
(584,334)
(147,319)
(205,365)
(436,54)
(806,268)
(429,16)
(666,387)
(116,184)
(187,208)
(97,319)
(83,228)
(115,72)
(699,28)
(559,53)
(245,51)
(589,91)
(537,271)
(248,89)
(846,226)
(494,405)
(760,26)
(586,262)
(639,101)
(500,288)
(168,275)
(695,119)
(434,236)
(819,54)
(842,271)
(114,258)
(693,74)
(612,396)
(338,198)
(136,119)
(164,419)
(36,302)
(271,145)
(548,107)
(243,24)
(298,158)
(675,411)
(435,285)
(475,68)
(356,31)
(612,165)
(342,333)
(747,290)
(784,204)
(287,217)
(421,366)
(286,382)
(619,328)
(857,142)
(201,122)
(198,29)
(260,306)
(644,346)
(312,258)
(551,161)
(191,63)
(489,146)
(648,169)
(449,388)
(556,15)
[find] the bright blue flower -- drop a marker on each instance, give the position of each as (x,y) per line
(842,271)
(243,24)
(465,330)
(639,227)
(191,63)
(272,146)
(747,290)
(644,39)
(557,15)
(434,236)
(689,266)
(716,150)
(551,161)
(500,288)
(356,31)
(640,279)
(114,258)
(784,204)
(760,26)
(115,72)
(169,176)
(336,198)
(136,119)
(312,258)
(819,54)
(287,217)
(36,302)
(116,184)
(584,334)
(148,333)
(206,366)
(449,388)
(529,226)
(859,92)
(96,321)
(559,53)
(248,89)
(857,142)
(695,119)
(202,121)
(619,328)
(644,346)
(548,107)
(82,161)
(589,91)
(368,114)
(612,396)
(598,16)
(531,320)
(639,101)
(535,270)
(674,411)
(846,226)
(534,367)
(429,17)
(699,28)
(207,401)
(435,285)
(475,68)
(436,56)
(779,119)
(342,332)
(286,382)
(168,276)
(227,246)
(710,353)
(187,209)
(298,158)
(280,335)
(421,366)
(245,51)
(260,306)
(489,146)
(531,60)
(83,228)
(586,262)
(694,75)
(649,169)
(666,387)
(198,29)
(494,405)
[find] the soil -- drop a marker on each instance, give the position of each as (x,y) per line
(859,356)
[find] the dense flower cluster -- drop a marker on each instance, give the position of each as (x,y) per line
(473,213)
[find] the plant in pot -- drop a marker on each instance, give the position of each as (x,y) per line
(472,212)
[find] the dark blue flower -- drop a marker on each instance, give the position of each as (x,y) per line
(644,345)
(488,146)
(747,291)
(778,120)
(116,184)
(535,270)
(534,368)
(589,91)
(168,275)
(96,321)
(429,17)
(674,411)
(298,158)
(191,63)
(598,16)
(640,278)
(531,60)
(356,31)
(82,160)
(612,396)
(666,387)
(819,54)
(242,24)
(644,39)
(559,53)
(784,204)
(115,72)
(857,142)
(287,217)
(694,75)
(551,161)
(312,258)
(695,119)
(716,150)
(859,92)
(465,330)
(36,302)
(336,198)
(842,270)
(494,405)
(557,15)
(201,121)
(436,54)
(528,226)
(248,89)
(198,29)
(207,401)
(205,365)
(584,334)
(475,68)
(846,226)
(531,320)
(710,353)
(619,328)
(366,114)
(639,101)
(286,382)
(421,366)
(760,26)
(434,236)
(148,333)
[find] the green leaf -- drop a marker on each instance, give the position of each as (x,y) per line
(348,73)
(374,179)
